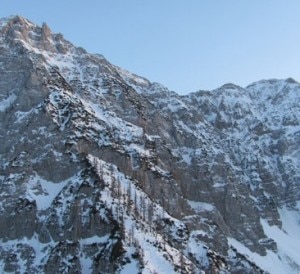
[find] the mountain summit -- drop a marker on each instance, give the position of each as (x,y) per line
(103,171)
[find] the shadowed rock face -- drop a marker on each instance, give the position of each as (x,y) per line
(103,171)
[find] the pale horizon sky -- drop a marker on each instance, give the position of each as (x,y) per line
(184,45)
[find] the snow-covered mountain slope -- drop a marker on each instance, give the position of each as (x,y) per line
(103,171)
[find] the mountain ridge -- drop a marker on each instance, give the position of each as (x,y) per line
(106,172)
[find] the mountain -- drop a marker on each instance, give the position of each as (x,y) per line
(103,171)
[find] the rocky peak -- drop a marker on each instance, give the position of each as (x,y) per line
(17,27)
(46,32)
(20,33)
(17,22)
(231,86)
(269,88)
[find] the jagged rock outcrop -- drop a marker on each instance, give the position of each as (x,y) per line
(103,171)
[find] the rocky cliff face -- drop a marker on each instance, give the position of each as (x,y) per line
(103,171)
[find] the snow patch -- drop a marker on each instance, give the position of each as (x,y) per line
(287,238)
(43,191)
(201,206)
(270,263)
(287,258)
(6,103)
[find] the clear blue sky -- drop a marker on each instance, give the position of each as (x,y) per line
(185,45)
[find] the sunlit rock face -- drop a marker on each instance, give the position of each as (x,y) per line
(102,171)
